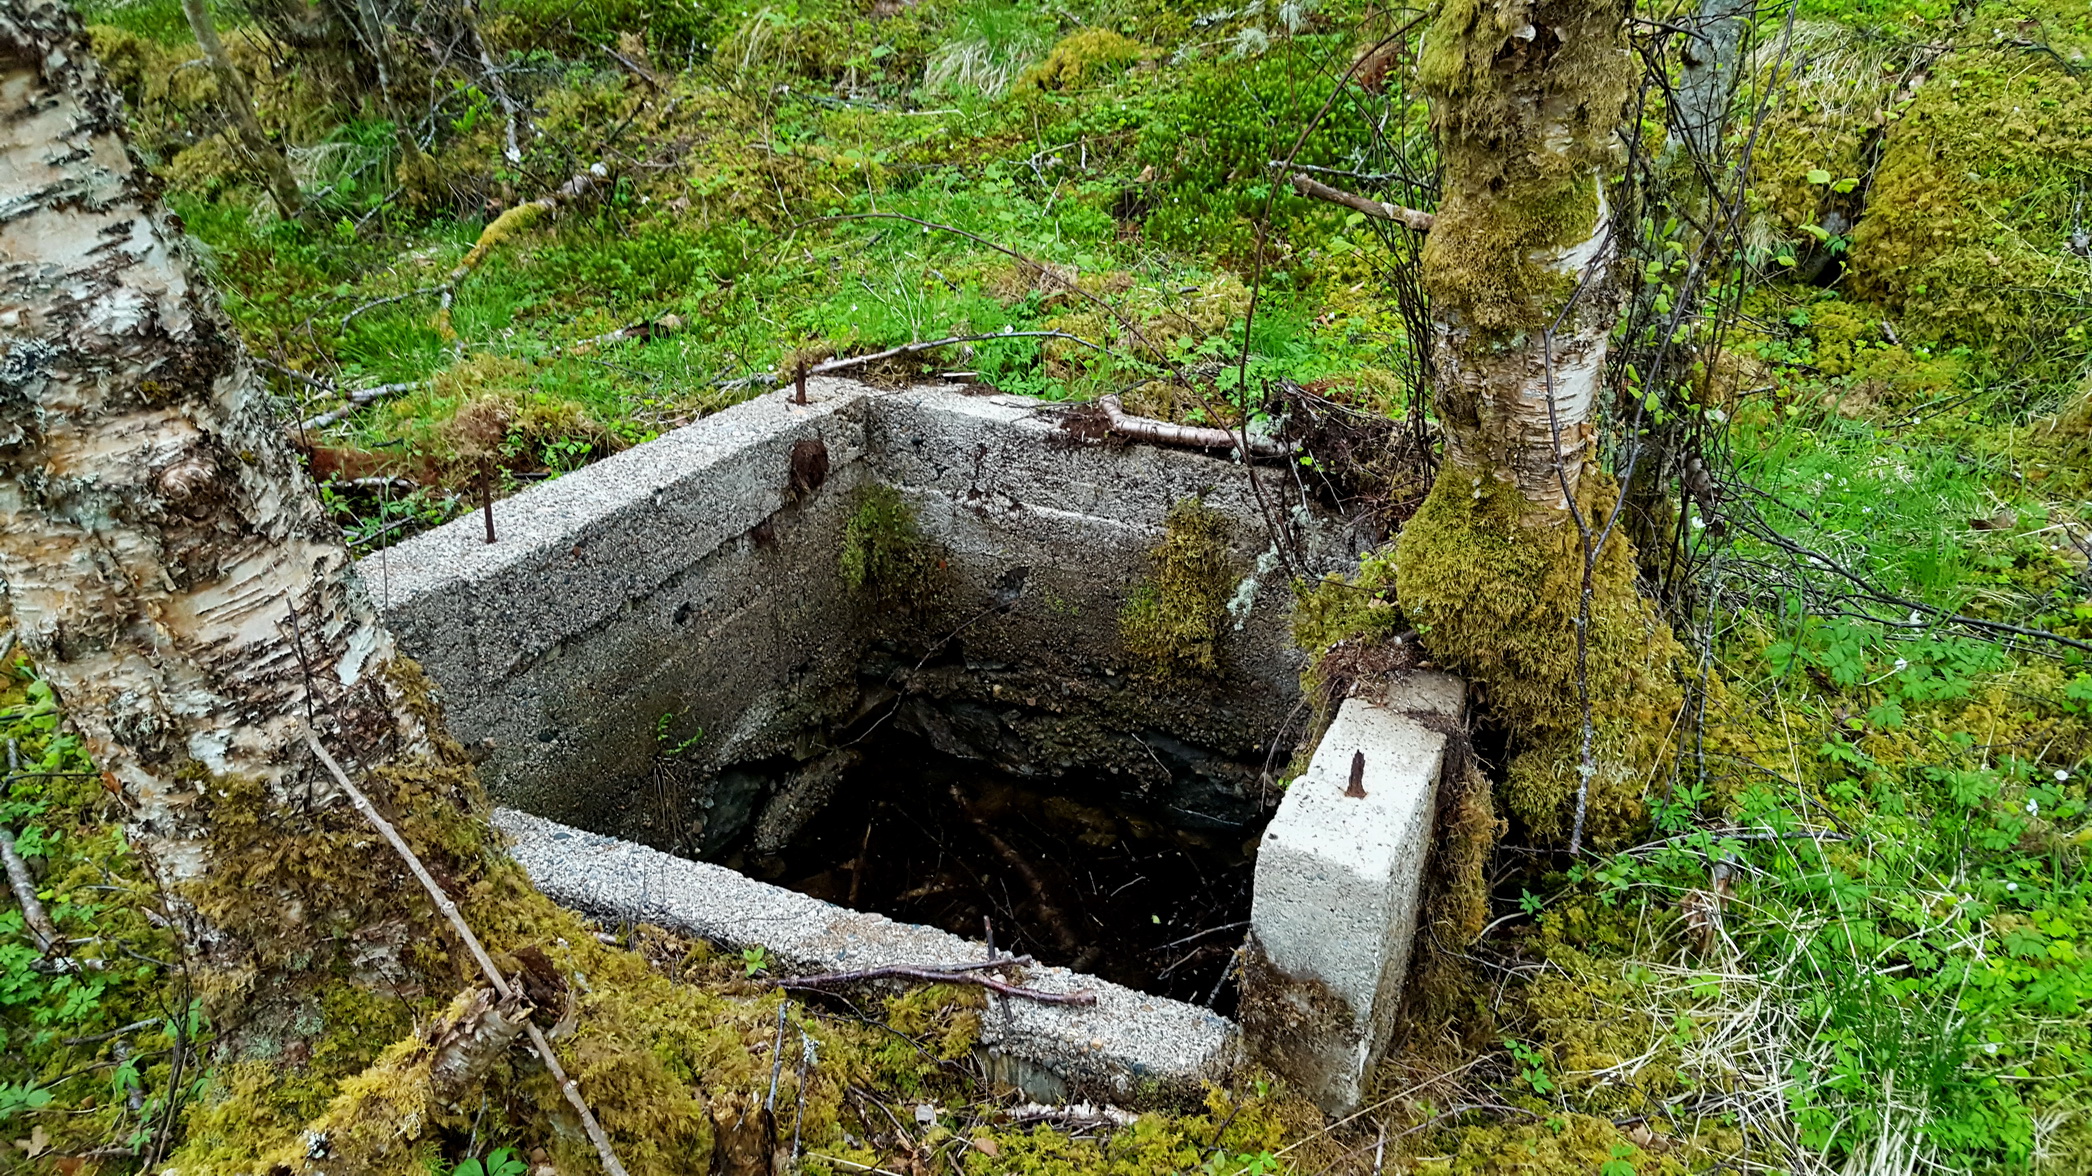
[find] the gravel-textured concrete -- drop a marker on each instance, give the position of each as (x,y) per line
(1126,1045)
(689,578)
(685,577)
(1337,884)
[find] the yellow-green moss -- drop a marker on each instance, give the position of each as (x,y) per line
(1492,583)
(1080,57)
(1963,240)
(1174,620)
(884,554)
(1523,129)
(1359,607)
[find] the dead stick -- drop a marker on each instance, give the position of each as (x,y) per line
(799,384)
(939,976)
(1142,428)
(567,1086)
(41,929)
(1408,218)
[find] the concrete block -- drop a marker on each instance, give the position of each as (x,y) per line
(1337,885)
(1128,1044)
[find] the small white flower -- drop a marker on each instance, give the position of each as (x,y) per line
(1866,510)
(2012,886)
(2062,776)
(2033,807)
(1991,1048)
(1902,664)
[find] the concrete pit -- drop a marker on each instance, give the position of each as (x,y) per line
(679,650)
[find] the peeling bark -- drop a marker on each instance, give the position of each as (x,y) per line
(165,561)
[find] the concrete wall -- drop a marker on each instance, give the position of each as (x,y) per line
(688,577)
(1126,1044)
(683,577)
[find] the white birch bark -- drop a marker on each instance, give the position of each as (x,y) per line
(1526,101)
(165,561)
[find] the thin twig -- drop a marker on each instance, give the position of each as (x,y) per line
(834,365)
(449,909)
(932,975)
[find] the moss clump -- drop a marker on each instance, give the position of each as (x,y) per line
(2062,445)
(1080,57)
(1359,608)
(1493,583)
(884,553)
(1174,620)
(1969,213)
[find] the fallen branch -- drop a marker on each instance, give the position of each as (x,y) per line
(1185,436)
(515,220)
(357,399)
(1073,1115)
(502,988)
(42,931)
(1408,218)
(962,974)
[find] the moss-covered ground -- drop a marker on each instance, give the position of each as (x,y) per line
(1842,929)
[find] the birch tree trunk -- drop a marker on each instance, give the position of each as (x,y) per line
(1506,570)
(174,578)
(1525,100)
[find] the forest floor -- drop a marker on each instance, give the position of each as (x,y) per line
(1853,936)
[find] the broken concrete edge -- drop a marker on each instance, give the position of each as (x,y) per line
(1129,1046)
(1338,883)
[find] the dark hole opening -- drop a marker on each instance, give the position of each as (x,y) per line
(1071,871)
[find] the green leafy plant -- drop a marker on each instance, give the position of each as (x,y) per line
(755,959)
(502,1161)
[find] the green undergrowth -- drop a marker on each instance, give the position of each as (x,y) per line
(884,553)
(91,1041)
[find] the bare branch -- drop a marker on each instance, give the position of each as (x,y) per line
(1187,436)
(357,399)
(1408,218)
(836,365)
(942,976)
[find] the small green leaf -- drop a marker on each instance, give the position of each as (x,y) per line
(1818,176)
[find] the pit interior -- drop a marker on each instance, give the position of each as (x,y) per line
(896,678)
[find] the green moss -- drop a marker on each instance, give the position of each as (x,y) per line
(1359,607)
(884,554)
(1964,235)
(1524,123)
(2061,446)
(1493,583)
(1174,620)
